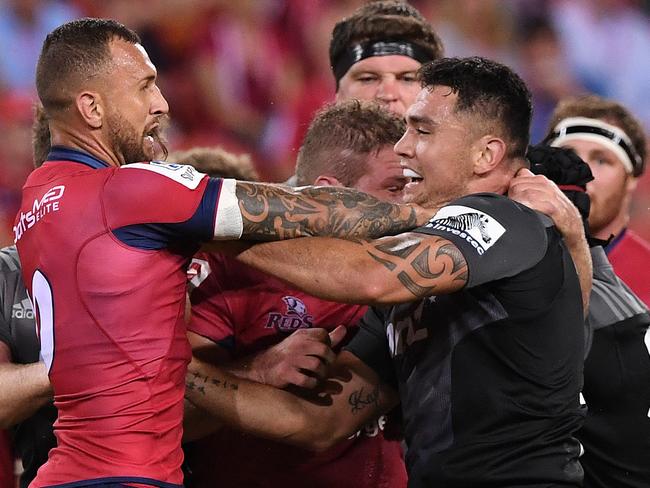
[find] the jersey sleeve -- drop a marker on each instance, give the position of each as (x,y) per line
(370,345)
(150,205)
(211,315)
(497,236)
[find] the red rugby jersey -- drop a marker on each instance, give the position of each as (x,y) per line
(104,253)
(630,258)
(246,311)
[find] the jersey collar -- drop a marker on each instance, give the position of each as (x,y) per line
(614,242)
(60,153)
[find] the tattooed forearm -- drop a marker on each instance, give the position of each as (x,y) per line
(359,399)
(273,212)
(421,263)
(196,382)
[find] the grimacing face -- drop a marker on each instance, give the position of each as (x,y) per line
(384,177)
(389,80)
(610,189)
(435,149)
(136,104)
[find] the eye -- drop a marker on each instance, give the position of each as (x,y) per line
(366,78)
(422,131)
(409,77)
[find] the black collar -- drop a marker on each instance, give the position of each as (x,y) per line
(60,153)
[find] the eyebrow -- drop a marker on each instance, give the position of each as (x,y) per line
(419,119)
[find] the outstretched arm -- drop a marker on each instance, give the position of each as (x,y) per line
(381,271)
(261,410)
(272,212)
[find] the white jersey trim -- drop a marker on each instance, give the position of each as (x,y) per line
(181,173)
(229,223)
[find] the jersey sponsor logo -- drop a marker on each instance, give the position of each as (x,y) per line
(296,316)
(185,175)
(40,208)
(22,310)
(479,229)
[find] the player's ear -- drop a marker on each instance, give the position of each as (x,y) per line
(488,152)
(631,183)
(327,180)
(90,108)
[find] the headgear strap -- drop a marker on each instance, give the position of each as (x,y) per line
(614,138)
(355,53)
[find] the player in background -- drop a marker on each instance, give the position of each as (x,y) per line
(612,141)
(104,247)
(375,54)
(616,432)
(263,329)
(481,337)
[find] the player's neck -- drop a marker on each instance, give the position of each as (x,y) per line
(91,145)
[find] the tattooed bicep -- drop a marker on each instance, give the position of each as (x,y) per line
(423,264)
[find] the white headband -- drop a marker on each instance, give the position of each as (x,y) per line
(610,136)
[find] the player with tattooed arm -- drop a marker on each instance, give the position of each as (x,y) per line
(478,324)
(104,247)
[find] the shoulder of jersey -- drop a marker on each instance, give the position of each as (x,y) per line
(181,173)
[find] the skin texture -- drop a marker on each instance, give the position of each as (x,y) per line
(25,388)
(383,179)
(389,80)
(610,191)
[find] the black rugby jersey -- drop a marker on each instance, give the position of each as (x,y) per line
(489,377)
(616,433)
(32,438)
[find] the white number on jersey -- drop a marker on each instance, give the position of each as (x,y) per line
(43,305)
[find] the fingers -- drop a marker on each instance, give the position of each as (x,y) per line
(337,335)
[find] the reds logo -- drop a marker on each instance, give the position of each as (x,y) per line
(296,316)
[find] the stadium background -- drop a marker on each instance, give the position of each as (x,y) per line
(249,74)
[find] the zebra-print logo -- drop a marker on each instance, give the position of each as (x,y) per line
(467,222)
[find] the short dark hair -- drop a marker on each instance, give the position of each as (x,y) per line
(217,162)
(391,20)
(342,137)
(488,90)
(72,53)
(595,107)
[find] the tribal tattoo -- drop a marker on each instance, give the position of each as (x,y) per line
(273,212)
(420,262)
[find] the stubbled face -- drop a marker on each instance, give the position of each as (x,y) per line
(435,150)
(135,105)
(388,80)
(610,189)
(384,177)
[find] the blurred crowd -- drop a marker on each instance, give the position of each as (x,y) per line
(248,75)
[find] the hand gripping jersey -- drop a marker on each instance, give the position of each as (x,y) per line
(104,253)
(33,437)
(630,257)
(616,433)
(246,311)
(489,377)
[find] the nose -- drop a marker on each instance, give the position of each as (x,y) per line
(388,90)
(159,105)
(404,147)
